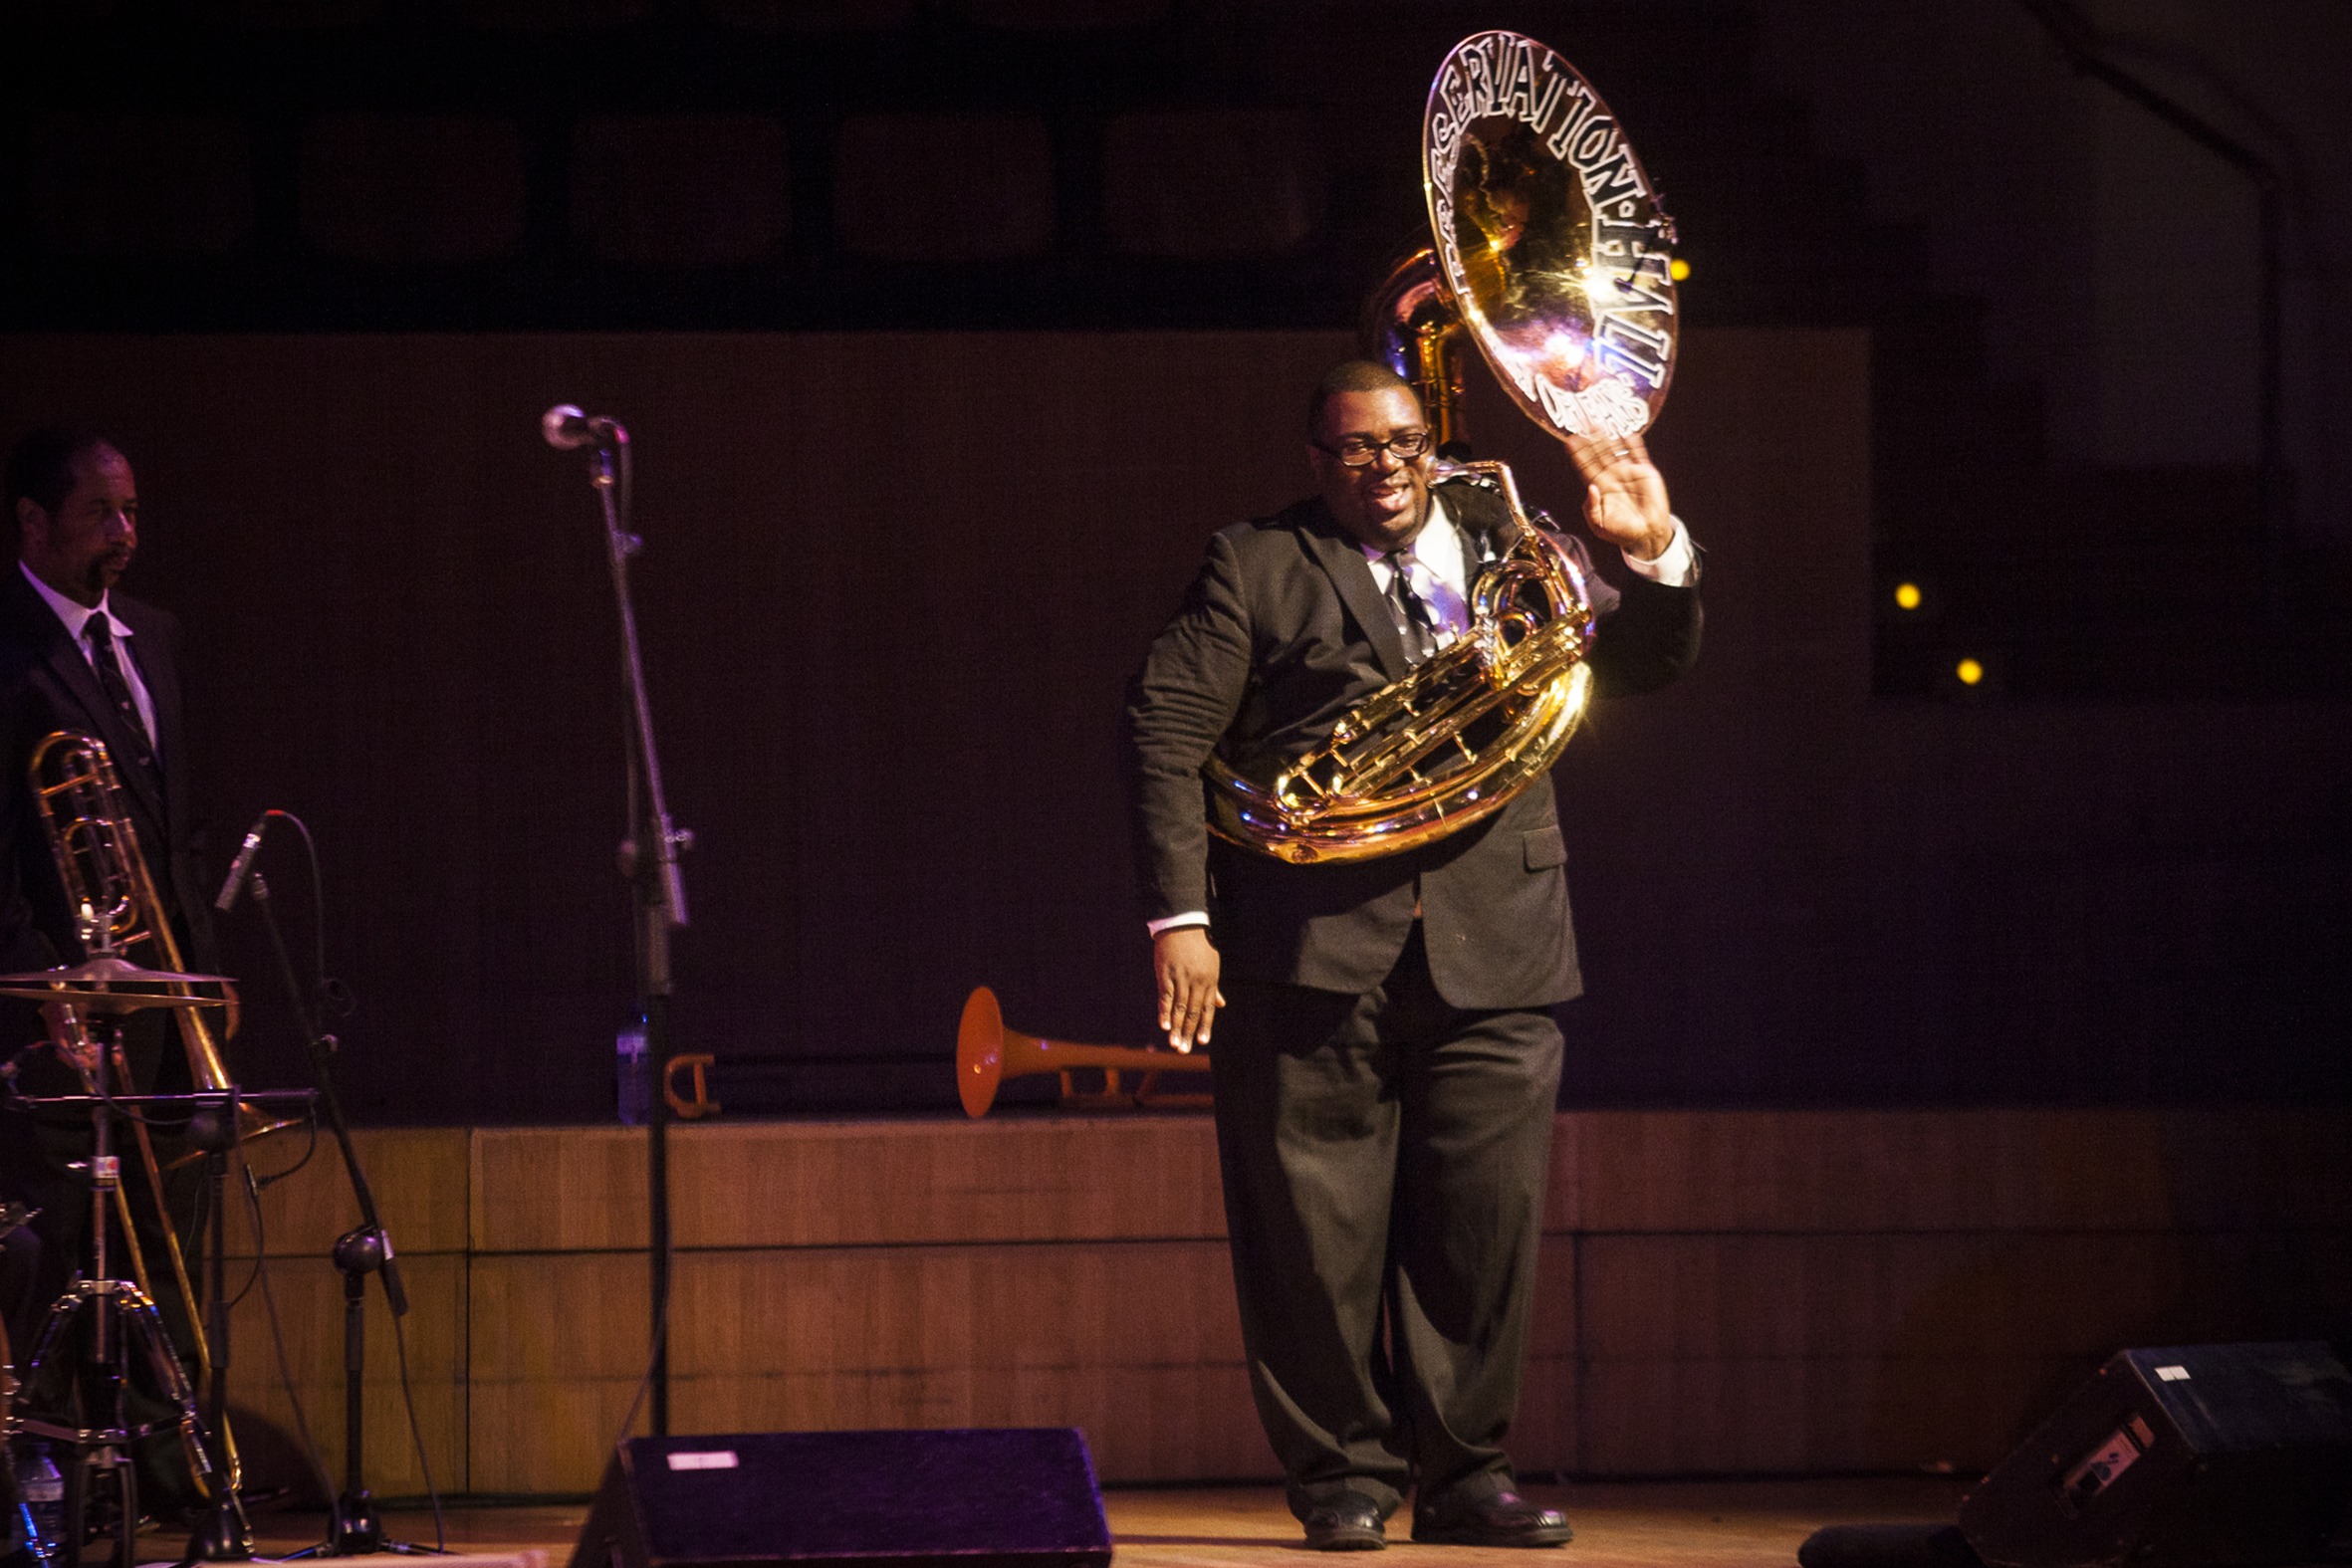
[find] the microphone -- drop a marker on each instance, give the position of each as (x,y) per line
(567,429)
(242,866)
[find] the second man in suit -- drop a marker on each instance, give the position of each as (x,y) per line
(77,655)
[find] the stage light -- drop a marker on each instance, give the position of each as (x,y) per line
(1969,671)
(1679,270)
(1907,596)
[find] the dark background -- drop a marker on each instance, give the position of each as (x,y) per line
(948,330)
(892,587)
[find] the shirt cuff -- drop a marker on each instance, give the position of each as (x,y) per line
(1676,567)
(1191,917)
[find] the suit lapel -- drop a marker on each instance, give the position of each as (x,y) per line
(98,716)
(1342,560)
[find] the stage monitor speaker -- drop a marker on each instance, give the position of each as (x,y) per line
(2198,1457)
(1013,1497)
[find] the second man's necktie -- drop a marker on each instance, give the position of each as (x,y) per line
(117,689)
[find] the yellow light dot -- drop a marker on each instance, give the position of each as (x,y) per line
(1907,594)
(1678,269)
(1969,672)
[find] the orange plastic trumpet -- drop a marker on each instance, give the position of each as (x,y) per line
(986,1053)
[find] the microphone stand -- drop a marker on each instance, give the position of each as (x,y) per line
(353,1529)
(650,859)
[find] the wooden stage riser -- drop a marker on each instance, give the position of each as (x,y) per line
(1836,1310)
(1100,1178)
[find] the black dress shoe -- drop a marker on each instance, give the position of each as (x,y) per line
(1350,1522)
(1499,1519)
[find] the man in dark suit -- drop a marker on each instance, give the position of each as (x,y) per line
(77,655)
(1386,1078)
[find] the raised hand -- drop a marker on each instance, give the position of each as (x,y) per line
(1625,495)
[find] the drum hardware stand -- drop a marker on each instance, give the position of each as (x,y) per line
(354,1528)
(89,992)
(648,857)
(123,1324)
(103,986)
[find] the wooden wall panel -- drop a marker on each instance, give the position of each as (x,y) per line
(1012,1179)
(1138,1343)
(817,1184)
(310,1301)
(560,1345)
(1864,1412)
(558,1188)
(1943,1170)
(1718,1291)
(1545,1437)
(1975,1295)
(1797,1352)
(418,1176)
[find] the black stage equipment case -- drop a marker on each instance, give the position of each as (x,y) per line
(2196,1456)
(1002,1497)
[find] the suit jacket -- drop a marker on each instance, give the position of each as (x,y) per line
(46,685)
(1281,632)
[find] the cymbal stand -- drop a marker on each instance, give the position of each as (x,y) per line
(124,1331)
(355,1528)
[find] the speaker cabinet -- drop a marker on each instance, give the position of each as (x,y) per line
(2198,1457)
(1003,1498)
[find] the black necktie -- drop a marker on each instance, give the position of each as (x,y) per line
(1414,623)
(117,689)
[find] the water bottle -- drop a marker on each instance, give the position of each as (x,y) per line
(632,1075)
(43,1490)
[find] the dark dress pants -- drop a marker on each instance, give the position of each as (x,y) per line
(1384,1160)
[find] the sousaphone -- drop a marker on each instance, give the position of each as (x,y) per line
(1554,256)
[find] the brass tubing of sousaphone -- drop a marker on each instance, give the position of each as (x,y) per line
(986,1053)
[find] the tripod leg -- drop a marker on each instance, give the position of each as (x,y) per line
(74,1520)
(125,1481)
(140,1320)
(127,1523)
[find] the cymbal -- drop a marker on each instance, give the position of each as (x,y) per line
(93,984)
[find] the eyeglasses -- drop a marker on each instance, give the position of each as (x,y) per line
(1357,452)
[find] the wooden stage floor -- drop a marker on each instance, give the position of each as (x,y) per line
(1652,1524)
